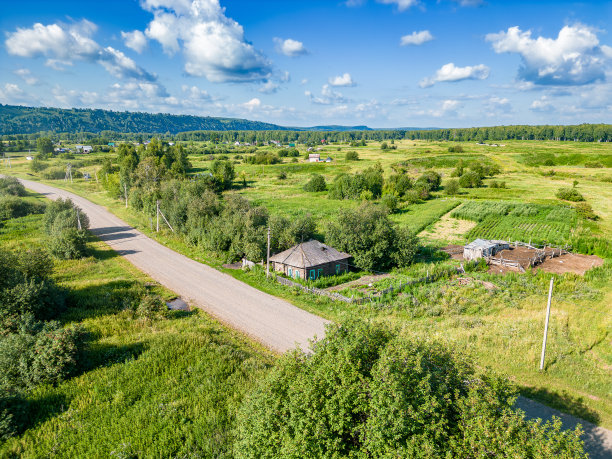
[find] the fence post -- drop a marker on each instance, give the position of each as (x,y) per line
(546,325)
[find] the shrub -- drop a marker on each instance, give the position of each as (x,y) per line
(451,187)
(151,307)
(431,180)
(61,222)
(282,175)
(316,183)
(389,202)
(456,149)
(38,354)
(14,207)
(585,211)
(470,179)
(352,156)
(367,392)
(496,184)
(569,194)
(593,164)
(11,186)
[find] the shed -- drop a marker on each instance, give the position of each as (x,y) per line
(314,157)
(480,248)
(310,260)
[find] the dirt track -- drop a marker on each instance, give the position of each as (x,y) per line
(274,322)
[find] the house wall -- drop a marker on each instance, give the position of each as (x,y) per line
(327,269)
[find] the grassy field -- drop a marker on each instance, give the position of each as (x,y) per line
(498,319)
(148,388)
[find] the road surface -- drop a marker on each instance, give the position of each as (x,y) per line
(274,322)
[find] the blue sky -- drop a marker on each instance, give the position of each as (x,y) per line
(383,63)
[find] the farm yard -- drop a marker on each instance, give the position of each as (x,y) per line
(497,319)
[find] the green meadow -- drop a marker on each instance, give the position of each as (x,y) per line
(497,319)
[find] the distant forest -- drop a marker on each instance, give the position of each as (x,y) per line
(100,126)
(30,120)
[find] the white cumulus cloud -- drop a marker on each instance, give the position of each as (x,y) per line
(416,38)
(342,80)
(573,58)
(290,47)
(62,45)
(451,73)
(213,45)
(135,40)
(26,76)
(401,4)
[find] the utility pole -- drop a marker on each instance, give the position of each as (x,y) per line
(126,195)
(157,216)
(546,326)
(268,259)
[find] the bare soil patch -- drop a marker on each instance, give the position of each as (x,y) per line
(571,263)
(454,250)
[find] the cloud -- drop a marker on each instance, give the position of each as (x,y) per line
(213,45)
(416,38)
(542,104)
(342,80)
(573,58)
(252,104)
(196,94)
(269,87)
(290,47)
(469,3)
(451,73)
(135,40)
(402,5)
(328,96)
(26,76)
(448,107)
(495,105)
(62,45)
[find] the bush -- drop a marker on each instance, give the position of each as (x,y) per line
(282,175)
(367,392)
(61,222)
(389,202)
(151,307)
(496,184)
(39,354)
(585,211)
(352,156)
(451,187)
(456,149)
(11,186)
(430,180)
(316,183)
(569,194)
(470,179)
(14,207)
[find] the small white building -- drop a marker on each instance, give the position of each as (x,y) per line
(483,248)
(314,157)
(84,148)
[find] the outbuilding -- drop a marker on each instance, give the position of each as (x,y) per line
(483,248)
(310,260)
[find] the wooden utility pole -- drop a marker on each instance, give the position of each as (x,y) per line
(546,326)
(157,215)
(268,258)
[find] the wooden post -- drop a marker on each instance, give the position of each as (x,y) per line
(126,195)
(546,326)
(157,215)
(268,258)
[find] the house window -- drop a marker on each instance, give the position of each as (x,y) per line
(337,269)
(319,273)
(313,274)
(297,274)
(290,273)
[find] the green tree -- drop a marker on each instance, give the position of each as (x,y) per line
(452,187)
(316,183)
(44,146)
(223,172)
(366,391)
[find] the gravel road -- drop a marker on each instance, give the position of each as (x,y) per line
(275,323)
